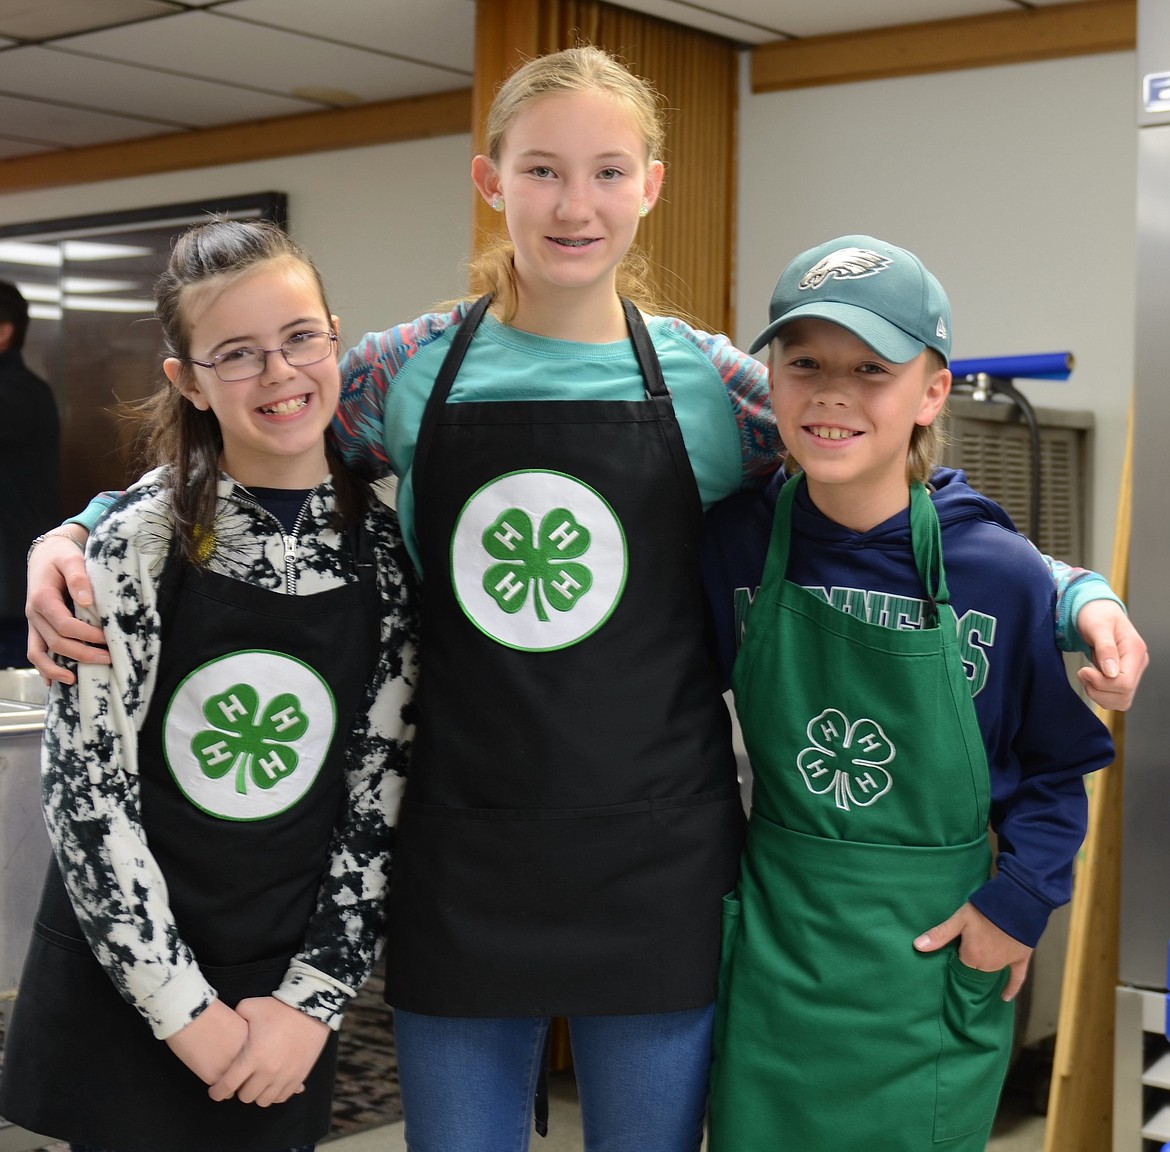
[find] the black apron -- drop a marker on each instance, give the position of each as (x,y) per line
(242,776)
(572,819)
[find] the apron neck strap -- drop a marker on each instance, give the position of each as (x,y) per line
(925,537)
(443,381)
(644,350)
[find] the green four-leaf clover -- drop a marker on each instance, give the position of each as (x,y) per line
(846,759)
(247,741)
(541,561)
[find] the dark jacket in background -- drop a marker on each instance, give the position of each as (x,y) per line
(30,473)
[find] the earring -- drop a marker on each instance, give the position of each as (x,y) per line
(644,210)
(498,204)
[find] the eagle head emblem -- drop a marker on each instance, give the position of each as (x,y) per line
(844,264)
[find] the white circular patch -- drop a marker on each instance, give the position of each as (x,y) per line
(538,560)
(245,735)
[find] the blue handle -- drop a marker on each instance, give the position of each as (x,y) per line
(1042,366)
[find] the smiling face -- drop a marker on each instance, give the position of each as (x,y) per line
(273,426)
(573,175)
(847,416)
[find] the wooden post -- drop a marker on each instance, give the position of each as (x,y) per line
(1080,1102)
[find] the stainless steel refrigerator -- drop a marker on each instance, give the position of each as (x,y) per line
(1142,1065)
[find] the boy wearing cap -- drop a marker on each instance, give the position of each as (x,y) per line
(899,692)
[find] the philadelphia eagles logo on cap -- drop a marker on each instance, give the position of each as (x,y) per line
(844,264)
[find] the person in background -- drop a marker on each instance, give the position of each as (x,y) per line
(30,470)
(898,692)
(220,796)
(573,817)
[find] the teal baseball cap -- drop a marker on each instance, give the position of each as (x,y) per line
(881,293)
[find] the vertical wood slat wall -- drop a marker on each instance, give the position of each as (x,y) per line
(690,235)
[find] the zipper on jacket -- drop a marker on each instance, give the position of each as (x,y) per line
(290,539)
(290,548)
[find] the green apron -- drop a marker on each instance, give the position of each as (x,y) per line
(869,826)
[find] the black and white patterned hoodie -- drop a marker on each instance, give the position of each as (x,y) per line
(90,785)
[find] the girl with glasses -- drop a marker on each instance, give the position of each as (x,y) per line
(220,795)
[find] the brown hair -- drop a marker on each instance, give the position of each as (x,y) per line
(581,69)
(173,431)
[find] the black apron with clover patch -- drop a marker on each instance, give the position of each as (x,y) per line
(572,819)
(241,774)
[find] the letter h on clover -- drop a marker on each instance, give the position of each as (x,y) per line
(846,759)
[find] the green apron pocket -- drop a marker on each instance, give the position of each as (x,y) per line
(731,913)
(975,1027)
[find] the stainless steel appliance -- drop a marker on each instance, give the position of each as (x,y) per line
(1142,1064)
(24,844)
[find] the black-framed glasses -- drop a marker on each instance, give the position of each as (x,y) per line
(299,351)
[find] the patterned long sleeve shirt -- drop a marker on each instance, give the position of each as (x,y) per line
(90,754)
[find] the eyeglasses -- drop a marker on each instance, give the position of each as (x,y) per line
(299,351)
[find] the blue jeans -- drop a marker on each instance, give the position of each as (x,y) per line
(468,1084)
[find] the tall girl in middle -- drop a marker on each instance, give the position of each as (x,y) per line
(573,818)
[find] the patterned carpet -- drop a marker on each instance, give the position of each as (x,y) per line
(367,1072)
(366,1095)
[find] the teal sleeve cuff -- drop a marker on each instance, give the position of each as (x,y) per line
(95,510)
(1090,586)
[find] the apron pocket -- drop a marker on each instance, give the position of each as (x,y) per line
(732,907)
(975,1027)
(599,911)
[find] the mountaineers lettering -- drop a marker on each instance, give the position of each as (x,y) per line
(976,630)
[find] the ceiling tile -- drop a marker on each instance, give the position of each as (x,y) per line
(41,123)
(181,101)
(390,26)
(23,20)
(743,21)
(207,45)
(9,149)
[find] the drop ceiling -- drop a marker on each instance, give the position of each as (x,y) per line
(76,73)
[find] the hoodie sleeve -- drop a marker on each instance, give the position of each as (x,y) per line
(1075,587)
(1042,744)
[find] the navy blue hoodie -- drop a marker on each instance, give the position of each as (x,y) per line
(1040,737)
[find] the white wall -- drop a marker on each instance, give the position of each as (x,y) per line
(1016,185)
(387,225)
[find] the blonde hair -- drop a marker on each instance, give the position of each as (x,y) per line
(927,441)
(582,69)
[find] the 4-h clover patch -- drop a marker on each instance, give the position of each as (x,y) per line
(846,759)
(538,560)
(245,735)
